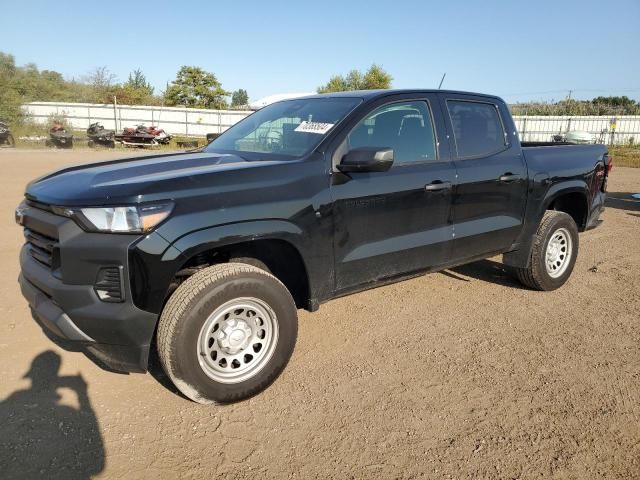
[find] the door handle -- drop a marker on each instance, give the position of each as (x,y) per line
(438,186)
(509,177)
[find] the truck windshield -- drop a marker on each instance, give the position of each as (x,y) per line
(290,128)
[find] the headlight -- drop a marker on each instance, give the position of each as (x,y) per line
(129,219)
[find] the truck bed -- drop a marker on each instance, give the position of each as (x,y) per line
(564,159)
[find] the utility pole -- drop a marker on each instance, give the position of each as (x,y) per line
(569,97)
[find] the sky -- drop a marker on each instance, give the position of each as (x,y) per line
(533,50)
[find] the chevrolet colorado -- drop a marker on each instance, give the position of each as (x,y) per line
(205,256)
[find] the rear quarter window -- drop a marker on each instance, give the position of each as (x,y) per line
(477,128)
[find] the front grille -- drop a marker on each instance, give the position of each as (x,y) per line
(39,205)
(41,247)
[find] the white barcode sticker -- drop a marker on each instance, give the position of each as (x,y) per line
(314,127)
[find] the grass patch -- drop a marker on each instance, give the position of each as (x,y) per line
(625,156)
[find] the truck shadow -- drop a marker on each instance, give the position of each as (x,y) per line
(48,435)
(487,271)
(622,201)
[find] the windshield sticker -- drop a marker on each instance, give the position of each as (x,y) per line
(314,127)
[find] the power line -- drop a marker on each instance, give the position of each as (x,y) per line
(601,90)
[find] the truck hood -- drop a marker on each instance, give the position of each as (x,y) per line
(135,180)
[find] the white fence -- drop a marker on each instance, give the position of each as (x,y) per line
(177,121)
(604,129)
(196,122)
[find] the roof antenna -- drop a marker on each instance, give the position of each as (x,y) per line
(442,80)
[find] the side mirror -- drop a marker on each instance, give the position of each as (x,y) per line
(367,159)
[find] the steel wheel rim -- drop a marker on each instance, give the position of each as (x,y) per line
(558,252)
(237,340)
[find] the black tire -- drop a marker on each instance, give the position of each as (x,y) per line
(187,311)
(536,275)
(248,260)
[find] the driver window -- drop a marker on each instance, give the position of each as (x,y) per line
(405,127)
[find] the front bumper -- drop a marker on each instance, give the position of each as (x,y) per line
(65,304)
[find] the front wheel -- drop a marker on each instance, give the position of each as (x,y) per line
(227,332)
(553,254)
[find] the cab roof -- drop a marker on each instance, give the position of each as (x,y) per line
(372,94)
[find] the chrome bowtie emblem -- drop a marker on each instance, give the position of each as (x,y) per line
(19,215)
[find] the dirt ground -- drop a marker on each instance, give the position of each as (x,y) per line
(459,374)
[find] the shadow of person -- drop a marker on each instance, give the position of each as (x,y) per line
(41,435)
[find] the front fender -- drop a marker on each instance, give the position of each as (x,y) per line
(232,233)
(155,263)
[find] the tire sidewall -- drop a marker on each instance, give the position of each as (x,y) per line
(560,221)
(185,361)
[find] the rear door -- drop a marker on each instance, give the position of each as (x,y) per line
(394,222)
(491,191)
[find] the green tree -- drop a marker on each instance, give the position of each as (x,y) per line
(19,85)
(239,98)
(374,78)
(138,80)
(101,83)
(196,88)
(622,101)
(10,98)
(135,91)
(22,84)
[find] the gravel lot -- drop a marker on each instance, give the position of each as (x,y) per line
(459,374)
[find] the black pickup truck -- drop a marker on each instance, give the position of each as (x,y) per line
(206,255)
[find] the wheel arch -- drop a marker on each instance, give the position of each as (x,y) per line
(278,244)
(570,198)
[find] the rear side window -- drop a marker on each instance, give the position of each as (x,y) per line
(477,128)
(405,127)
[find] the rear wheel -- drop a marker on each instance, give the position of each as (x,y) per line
(227,332)
(553,254)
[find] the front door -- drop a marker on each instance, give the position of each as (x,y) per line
(491,192)
(394,222)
